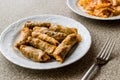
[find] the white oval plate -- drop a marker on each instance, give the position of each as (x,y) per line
(72,4)
(10,34)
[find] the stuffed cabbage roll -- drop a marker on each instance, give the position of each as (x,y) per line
(25,32)
(63,48)
(31,24)
(56,35)
(45,37)
(33,53)
(40,44)
(60,28)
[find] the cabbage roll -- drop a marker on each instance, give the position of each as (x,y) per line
(40,44)
(31,24)
(34,54)
(59,28)
(56,35)
(63,48)
(25,32)
(45,37)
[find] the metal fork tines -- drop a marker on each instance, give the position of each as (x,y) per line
(102,57)
(105,52)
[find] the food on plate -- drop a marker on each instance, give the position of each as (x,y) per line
(56,35)
(40,44)
(45,37)
(62,50)
(42,41)
(24,33)
(60,28)
(33,53)
(31,24)
(101,8)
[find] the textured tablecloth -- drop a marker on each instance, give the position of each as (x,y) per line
(12,10)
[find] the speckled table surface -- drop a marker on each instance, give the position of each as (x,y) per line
(12,10)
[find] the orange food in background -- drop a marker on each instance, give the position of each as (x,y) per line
(101,8)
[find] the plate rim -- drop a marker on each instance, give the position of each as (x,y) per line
(15,62)
(89,16)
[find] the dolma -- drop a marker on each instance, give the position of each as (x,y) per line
(34,54)
(60,28)
(31,24)
(24,33)
(45,37)
(40,44)
(63,48)
(56,35)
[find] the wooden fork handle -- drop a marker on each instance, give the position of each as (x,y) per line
(85,77)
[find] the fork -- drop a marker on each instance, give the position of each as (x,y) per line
(102,57)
